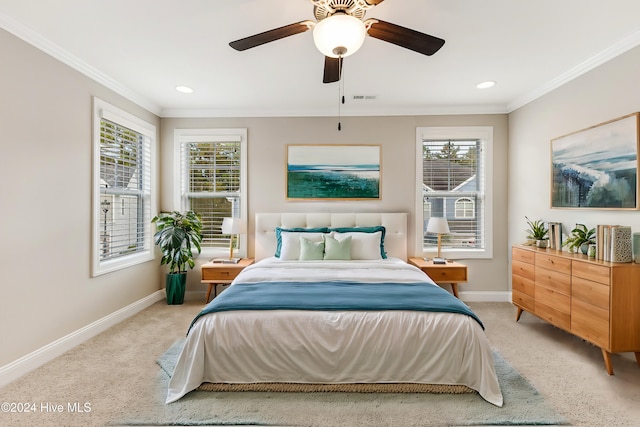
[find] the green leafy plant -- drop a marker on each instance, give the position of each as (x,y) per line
(579,236)
(537,230)
(177,234)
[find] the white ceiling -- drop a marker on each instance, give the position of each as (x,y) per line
(144,48)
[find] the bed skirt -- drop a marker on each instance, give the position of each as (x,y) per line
(339,388)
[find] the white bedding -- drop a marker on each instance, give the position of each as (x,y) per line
(295,346)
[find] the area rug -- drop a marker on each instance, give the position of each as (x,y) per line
(523,406)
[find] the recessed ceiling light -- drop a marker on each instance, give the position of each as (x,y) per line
(184,89)
(486,85)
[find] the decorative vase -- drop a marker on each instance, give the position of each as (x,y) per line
(175,287)
(584,248)
(636,247)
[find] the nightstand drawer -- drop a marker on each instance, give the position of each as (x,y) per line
(224,273)
(220,272)
(447,274)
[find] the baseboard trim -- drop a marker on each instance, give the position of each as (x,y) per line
(486,296)
(37,358)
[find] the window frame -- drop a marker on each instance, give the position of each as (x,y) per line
(483,133)
(207,135)
(107,111)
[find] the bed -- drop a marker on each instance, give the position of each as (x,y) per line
(331,303)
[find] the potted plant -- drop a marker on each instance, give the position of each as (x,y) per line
(538,232)
(177,234)
(580,239)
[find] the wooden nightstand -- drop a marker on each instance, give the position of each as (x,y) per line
(451,272)
(217,273)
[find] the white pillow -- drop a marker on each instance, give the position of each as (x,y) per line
(290,249)
(363,245)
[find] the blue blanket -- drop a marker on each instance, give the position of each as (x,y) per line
(336,296)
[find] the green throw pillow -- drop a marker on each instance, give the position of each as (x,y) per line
(310,250)
(337,249)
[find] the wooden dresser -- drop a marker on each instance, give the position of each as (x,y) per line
(597,301)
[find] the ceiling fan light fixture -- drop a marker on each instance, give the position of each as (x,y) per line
(339,35)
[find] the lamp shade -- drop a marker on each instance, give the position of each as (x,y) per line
(233,226)
(339,35)
(438,225)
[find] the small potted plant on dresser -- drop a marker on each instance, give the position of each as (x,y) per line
(580,239)
(177,234)
(537,232)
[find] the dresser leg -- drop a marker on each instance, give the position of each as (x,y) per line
(607,361)
(638,357)
(519,313)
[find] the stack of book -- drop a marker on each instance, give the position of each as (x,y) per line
(555,235)
(613,243)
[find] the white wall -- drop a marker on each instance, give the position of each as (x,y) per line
(267,140)
(46,291)
(605,93)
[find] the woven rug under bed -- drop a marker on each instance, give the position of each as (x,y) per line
(347,388)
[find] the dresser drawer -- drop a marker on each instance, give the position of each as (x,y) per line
(590,271)
(551,315)
(523,301)
(525,286)
(553,279)
(590,322)
(591,292)
(551,262)
(521,269)
(523,255)
(553,299)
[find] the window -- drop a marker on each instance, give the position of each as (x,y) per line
(465,208)
(212,180)
(124,197)
(454,182)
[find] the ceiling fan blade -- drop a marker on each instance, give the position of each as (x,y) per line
(272,35)
(332,69)
(404,37)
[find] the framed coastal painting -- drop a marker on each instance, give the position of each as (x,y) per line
(333,172)
(597,168)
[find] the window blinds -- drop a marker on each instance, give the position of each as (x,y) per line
(211,182)
(453,188)
(125,177)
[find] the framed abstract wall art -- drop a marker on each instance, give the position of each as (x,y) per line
(597,168)
(333,172)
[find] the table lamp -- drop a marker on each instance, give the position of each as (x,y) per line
(233,227)
(439,226)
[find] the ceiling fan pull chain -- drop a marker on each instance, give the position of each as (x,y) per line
(340,92)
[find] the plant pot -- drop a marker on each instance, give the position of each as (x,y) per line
(584,248)
(541,243)
(175,287)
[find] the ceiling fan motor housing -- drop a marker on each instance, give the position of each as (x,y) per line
(324,8)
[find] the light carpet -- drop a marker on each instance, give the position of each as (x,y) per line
(523,405)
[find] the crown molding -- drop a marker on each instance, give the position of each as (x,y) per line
(330,112)
(40,42)
(626,44)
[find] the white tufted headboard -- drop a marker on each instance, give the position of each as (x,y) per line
(395,241)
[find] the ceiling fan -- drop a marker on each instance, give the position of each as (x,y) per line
(339,32)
